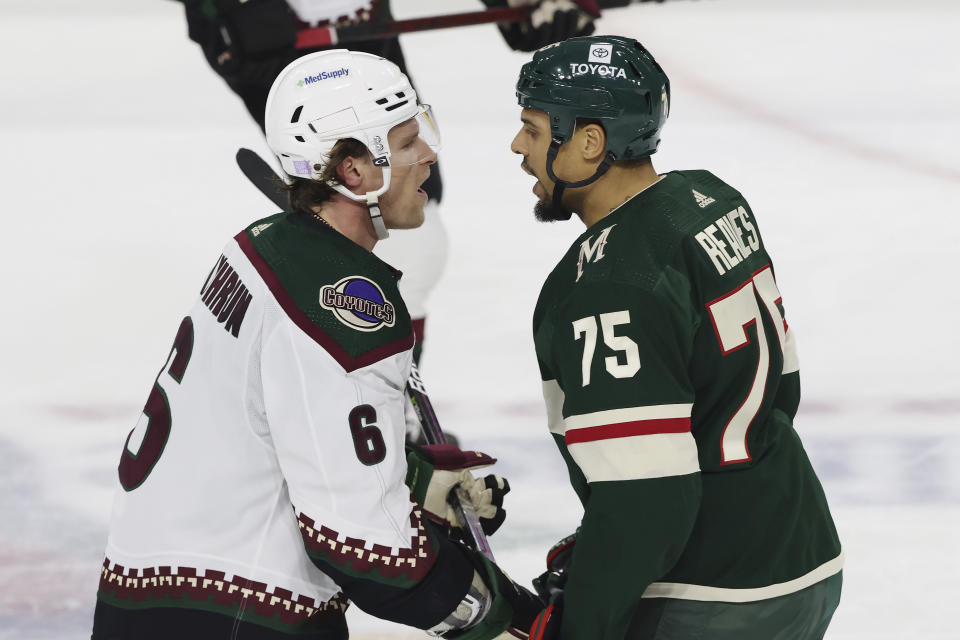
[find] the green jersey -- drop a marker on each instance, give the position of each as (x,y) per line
(671,380)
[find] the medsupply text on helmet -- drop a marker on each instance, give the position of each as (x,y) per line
(324,75)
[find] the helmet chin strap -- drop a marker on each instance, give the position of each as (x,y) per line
(373,206)
(372,200)
(560,185)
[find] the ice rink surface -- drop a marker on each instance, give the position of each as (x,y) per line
(840,123)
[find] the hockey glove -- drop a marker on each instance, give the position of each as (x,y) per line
(512,606)
(550,585)
(436,472)
(546,626)
(233,32)
(560,554)
(551,21)
(552,581)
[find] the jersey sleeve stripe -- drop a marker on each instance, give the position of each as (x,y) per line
(401,566)
(628,429)
(636,457)
(553,398)
(299,318)
(629,414)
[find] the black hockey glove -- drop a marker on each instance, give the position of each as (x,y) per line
(546,626)
(550,585)
(232,32)
(551,21)
(552,581)
(438,474)
(513,607)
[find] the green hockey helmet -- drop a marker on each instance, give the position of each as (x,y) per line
(607,78)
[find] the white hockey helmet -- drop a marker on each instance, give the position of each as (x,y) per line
(330,95)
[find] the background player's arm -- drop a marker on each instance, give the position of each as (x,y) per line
(339,438)
(620,368)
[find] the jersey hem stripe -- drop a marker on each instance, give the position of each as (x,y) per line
(702,593)
(627,429)
(299,318)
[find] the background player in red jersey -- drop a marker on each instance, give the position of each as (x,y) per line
(670,377)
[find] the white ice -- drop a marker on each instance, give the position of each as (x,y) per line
(838,120)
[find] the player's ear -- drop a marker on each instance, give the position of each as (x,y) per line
(351,171)
(593,142)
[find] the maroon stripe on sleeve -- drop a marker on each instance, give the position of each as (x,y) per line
(627,429)
(299,318)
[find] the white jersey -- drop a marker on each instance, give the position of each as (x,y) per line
(273,438)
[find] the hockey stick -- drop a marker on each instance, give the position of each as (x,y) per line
(329,35)
(262,175)
(417,393)
(266,180)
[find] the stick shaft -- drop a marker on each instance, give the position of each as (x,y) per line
(434,435)
(329,36)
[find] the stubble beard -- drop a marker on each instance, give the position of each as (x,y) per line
(546,211)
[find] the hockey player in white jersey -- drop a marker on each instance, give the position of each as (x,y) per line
(263,488)
(247,42)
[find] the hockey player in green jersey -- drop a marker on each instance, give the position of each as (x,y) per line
(263,489)
(670,377)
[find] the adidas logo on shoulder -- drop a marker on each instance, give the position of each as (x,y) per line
(702,200)
(260,228)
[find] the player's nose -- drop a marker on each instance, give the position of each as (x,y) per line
(516,147)
(429,156)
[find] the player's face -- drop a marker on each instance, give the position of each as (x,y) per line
(410,160)
(532,142)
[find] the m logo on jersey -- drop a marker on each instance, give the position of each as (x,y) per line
(358,303)
(592,252)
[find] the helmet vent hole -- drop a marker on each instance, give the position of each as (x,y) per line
(400,95)
(299,138)
(296,114)
(382,101)
(396,106)
(310,124)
